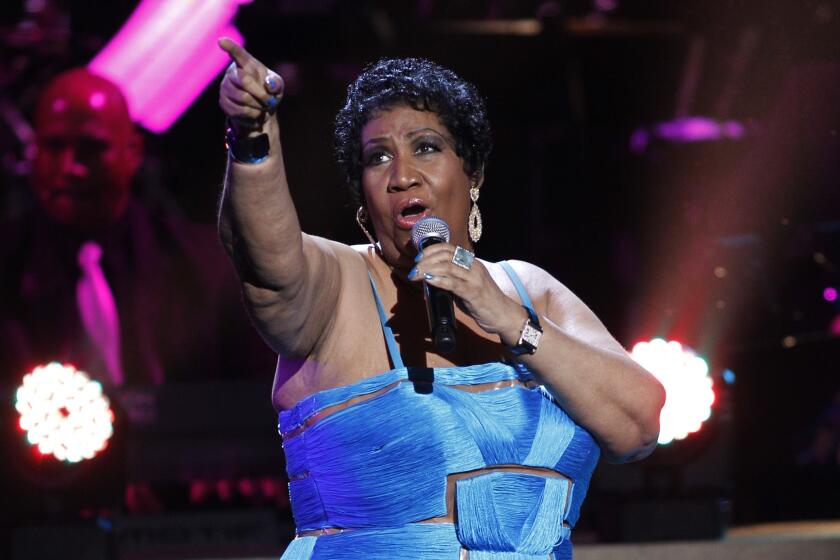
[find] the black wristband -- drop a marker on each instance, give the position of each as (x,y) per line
(249,149)
(529,338)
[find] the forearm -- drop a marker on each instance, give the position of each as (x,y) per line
(258,224)
(602,389)
(583,366)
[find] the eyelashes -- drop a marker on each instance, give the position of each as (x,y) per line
(374,158)
(422,147)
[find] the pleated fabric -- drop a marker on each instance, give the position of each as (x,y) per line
(379,466)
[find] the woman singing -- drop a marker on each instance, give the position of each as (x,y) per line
(393,449)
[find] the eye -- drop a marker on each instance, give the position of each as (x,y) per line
(53,144)
(92,147)
(376,157)
(426,147)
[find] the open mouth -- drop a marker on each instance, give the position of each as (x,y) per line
(411,211)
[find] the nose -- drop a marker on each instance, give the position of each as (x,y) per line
(403,175)
(70,164)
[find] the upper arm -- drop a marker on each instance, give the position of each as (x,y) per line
(295,319)
(558,304)
(621,402)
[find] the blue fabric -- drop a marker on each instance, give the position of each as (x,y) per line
(517,283)
(380,465)
(393,349)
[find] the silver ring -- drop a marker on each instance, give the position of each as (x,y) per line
(463,258)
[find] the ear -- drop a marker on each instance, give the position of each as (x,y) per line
(477,178)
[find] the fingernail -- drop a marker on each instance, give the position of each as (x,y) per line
(271,83)
(428,276)
(272,101)
(412,272)
(418,257)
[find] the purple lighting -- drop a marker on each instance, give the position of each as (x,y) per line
(166,54)
(830,294)
(694,129)
(686,129)
(606,5)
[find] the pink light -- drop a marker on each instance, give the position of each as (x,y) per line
(97,100)
(830,294)
(835,326)
(606,5)
(166,55)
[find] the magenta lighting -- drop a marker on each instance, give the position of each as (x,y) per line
(687,129)
(830,294)
(166,54)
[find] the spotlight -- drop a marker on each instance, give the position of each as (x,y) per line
(64,413)
(688,387)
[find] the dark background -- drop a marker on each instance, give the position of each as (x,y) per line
(637,235)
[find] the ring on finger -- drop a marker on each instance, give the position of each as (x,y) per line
(271,82)
(463,258)
(275,86)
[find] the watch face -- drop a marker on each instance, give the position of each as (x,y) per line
(531,335)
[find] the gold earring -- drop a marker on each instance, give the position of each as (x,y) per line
(361,219)
(474,220)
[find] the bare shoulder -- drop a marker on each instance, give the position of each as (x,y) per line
(335,249)
(541,286)
(560,305)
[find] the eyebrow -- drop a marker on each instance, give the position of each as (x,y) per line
(410,134)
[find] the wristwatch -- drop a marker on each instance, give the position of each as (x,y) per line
(248,149)
(529,338)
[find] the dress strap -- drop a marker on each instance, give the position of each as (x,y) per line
(517,283)
(393,349)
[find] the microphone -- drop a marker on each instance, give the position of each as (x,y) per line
(427,232)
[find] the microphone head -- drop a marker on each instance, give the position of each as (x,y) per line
(429,227)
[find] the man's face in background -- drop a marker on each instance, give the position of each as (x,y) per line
(87,151)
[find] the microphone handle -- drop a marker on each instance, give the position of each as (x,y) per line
(440,310)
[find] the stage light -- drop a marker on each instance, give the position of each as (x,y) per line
(64,413)
(830,294)
(728,376)
(688,387)
(166,54)
(834,328)
(685,130)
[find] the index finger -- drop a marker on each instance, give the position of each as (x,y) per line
(236,52)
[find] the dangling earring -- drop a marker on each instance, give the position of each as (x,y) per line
(474,221)
(361,219)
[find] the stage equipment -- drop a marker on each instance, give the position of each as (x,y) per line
(64,412)
(688,386)
(166,54)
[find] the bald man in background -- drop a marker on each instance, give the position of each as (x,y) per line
(177,306)
(164,283)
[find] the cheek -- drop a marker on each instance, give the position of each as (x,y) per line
(378,208)
(44,163)
(44,173)
(113,171)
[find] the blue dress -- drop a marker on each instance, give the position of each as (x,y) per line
(377,467)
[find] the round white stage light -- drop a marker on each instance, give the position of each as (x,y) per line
(64,413)
(688,386)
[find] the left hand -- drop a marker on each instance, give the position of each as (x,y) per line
(476,292)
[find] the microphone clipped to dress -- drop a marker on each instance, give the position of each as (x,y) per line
(426,232)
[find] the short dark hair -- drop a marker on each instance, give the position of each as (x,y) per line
(422,85)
